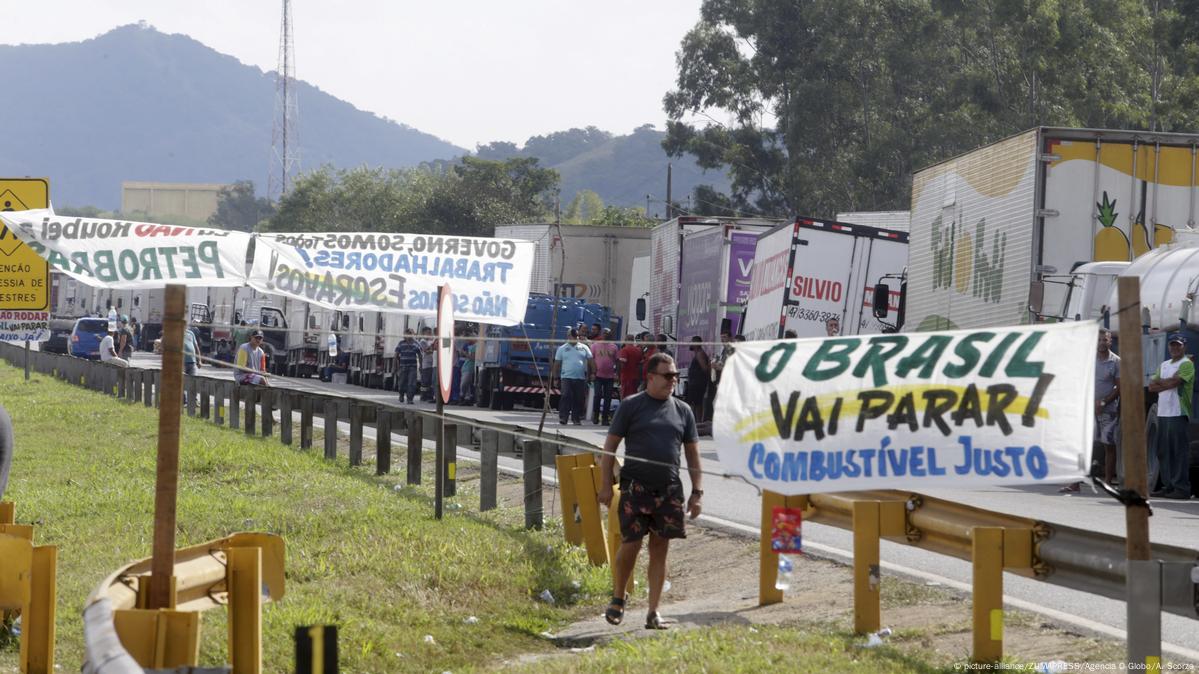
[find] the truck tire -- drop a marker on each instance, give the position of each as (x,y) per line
(6,448)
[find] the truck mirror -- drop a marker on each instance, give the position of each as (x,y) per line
(1184,314)
(668,324)
(726,325)
(882,297)
(641,308)
(1036,296)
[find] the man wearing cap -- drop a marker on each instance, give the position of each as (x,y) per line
(1172,384)
(251,356)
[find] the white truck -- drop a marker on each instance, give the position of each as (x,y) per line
(992,225)
(811,270)
(594,263)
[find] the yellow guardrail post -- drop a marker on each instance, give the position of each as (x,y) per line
(8,512)
(159,638)
(586,482)
(866,576)
(768,559)
(244,581)
(38,622)
(614,541)
(570,500)
(987,553)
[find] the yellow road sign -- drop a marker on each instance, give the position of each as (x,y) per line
(24,275)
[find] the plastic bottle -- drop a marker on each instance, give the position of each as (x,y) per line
(112,319)
(786,570)
(15,629)
(332,342)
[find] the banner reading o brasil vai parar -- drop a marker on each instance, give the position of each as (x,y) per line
(1001,406)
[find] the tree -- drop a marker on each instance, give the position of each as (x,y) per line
(237,207)
(584,208)
(470,198)
(818,106)
(615,216)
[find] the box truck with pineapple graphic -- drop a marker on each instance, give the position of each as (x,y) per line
(1030,208)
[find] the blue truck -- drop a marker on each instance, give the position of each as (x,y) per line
(517,359)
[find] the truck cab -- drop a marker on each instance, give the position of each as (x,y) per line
(517,360)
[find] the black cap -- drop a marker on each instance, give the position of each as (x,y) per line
(1177,337)
(256,333)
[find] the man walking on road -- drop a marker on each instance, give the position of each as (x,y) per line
(408,360)
(574,362)
(653,425)
(1172,384)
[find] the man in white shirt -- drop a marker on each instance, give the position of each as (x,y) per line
(108,351)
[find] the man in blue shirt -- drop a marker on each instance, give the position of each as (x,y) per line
(576,366)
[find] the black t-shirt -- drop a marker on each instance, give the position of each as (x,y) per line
(656,430)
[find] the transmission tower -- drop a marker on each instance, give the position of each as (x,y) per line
(285,151)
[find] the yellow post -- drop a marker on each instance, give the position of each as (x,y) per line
(987,555)
(866,575)
(614,541)
(570,501)
(8,512)
(38,623)
(768,560)
(15,586)
(244,580)
(586,481)
(159,638)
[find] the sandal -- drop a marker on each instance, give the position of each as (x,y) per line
(653,621)
(615,613)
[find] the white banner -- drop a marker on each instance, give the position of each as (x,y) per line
(956,409)
(130,255)
(400,273)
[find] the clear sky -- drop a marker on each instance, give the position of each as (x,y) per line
(467,71)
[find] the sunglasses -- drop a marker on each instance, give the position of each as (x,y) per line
(667,375)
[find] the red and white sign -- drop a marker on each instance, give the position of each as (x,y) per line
(445,342)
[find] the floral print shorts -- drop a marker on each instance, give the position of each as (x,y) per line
(657,509)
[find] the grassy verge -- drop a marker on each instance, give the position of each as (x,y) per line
(364,553)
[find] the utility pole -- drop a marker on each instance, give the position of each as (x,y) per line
(669,199)
(285,155)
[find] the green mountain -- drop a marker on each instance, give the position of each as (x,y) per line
(622,170)
(138,104)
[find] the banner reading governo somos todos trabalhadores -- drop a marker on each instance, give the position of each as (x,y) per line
(1002,406)
(388,271)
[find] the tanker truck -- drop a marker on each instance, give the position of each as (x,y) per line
(1169,282)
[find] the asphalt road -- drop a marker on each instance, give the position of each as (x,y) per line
(735,504)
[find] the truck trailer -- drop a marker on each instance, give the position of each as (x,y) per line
(1016,216)
(811,270)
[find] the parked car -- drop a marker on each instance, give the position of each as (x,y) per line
(60,336)
(86,336)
